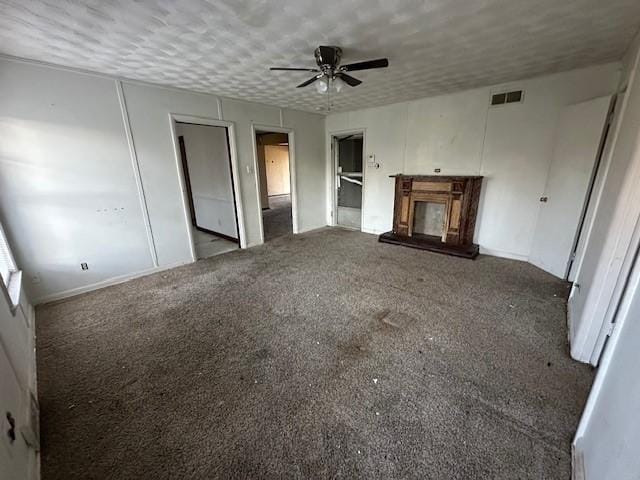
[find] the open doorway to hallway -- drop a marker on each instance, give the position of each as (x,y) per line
(208,179)
(348,150)
(274,168)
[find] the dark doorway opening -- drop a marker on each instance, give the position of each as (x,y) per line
(275,183)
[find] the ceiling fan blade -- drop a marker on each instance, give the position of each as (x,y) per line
(309,82)
(348,79)
(366,65)
(290,69)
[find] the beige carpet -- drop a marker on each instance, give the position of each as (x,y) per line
(277,221)
(323,355)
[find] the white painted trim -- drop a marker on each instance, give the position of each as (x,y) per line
(633,286)
(577,462)
(231,135)
(183,188)
(612,140)
(618,253)
(135,164)
(104,283)
(256,179)
(503,254)
(372,231)
(293,184)
(630,247)
(587,344)
(219,102)
(596,182)
(333,155)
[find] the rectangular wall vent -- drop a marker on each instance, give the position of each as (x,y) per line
(515,96)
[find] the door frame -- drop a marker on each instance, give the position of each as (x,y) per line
(235,173)
(187,182)
(608,351)
(611,273)
(575,257)
(264,128)
(334,173)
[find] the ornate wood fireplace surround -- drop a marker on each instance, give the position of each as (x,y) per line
(435,213)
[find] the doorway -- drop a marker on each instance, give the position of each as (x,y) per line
(205,159)
(349,176)
(274,165)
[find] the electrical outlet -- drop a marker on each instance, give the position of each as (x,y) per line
(84,266)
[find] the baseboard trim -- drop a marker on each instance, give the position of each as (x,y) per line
(310,228)
(577,463)
(372,231)
(503,254)
(104,283)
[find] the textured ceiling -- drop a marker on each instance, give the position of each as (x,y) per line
(226,46)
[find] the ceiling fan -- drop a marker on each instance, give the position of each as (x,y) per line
(330,72)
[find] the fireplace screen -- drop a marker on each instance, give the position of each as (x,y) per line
(429,218)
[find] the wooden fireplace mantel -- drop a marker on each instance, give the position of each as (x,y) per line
(459,196)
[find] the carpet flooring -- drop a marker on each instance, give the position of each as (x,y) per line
(208,245)
(276,221)
(322,355)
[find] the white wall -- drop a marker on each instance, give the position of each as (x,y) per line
(210,177)
(608,436)
(309,173)
(17,379)
(68,190)
(511,145)
(608,252)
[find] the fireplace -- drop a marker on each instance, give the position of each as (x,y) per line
(435,213)
(428,218)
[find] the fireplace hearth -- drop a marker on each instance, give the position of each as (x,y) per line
(435,213)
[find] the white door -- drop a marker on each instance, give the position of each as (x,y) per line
(577,141)
(607,440)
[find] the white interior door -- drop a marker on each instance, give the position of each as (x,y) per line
(606,443)
(577,140)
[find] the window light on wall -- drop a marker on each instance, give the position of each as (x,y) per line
(11,276)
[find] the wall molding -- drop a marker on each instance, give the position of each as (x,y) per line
(503,254)
(105,283)
(137,174)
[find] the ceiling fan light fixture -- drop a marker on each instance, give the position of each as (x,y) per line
(331,76)
(337,84)
(322,85)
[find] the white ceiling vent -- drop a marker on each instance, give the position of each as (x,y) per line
(514,96)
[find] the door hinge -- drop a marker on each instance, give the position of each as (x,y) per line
(610,328)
